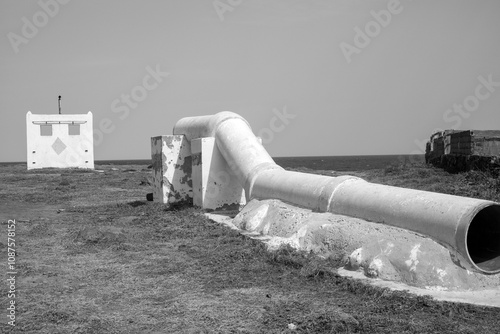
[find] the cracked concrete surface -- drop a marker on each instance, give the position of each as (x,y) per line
(381,255)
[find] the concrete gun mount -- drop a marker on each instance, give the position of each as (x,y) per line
(469,228)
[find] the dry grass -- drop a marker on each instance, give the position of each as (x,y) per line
(112,262)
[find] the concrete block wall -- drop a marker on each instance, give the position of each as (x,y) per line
(487,146)
(215,186)
(171,156)
(61,141)
(194,172)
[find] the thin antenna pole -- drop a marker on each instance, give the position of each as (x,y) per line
(59,104)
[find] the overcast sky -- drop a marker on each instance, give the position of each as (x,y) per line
(312,77)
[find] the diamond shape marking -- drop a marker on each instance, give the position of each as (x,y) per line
(58,146)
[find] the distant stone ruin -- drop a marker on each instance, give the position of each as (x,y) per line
(463,150)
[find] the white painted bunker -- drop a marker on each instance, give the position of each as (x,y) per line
(60,141)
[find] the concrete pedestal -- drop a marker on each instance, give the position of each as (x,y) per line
(171,157)
(193,172)
(215,186)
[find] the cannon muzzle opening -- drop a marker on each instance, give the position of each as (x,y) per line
(483,239)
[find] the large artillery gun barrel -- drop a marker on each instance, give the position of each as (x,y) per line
(469,227)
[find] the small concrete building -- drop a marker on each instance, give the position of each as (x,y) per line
(60,141)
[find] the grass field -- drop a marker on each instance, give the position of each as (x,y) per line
(93,256)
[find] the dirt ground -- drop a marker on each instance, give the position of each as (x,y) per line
(93,256)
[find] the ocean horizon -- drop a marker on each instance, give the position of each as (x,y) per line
(337,162)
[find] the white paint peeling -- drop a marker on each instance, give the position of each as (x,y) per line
(388,249)
(170,179)
(253,222)
(436,288)
(355,258)
(412,262)
(375,267)
(275,242)
(441,274)
(377,263)
(266,227)
(301,233)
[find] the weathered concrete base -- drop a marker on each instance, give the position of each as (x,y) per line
(193,172)
(215,186)
(253,221)
(376,250)
(171,157)
(485,297)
